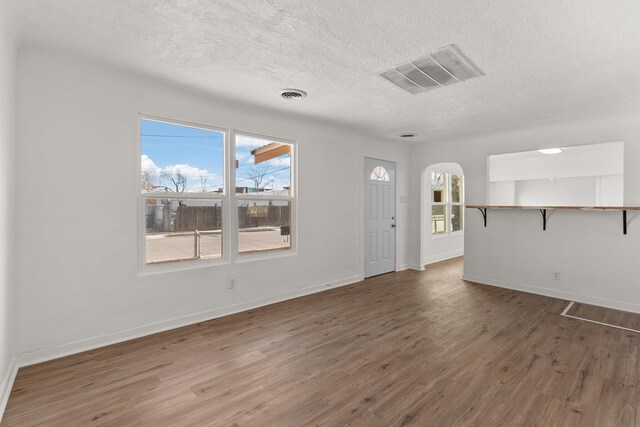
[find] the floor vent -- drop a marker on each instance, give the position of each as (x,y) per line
(444,67)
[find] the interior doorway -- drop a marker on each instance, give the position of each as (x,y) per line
(442,213)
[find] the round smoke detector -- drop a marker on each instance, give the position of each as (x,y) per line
(292,93)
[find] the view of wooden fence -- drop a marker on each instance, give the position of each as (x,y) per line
(190,218)
(263,216)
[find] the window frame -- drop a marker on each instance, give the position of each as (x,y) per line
(292,198)
(228,198)
(448,204)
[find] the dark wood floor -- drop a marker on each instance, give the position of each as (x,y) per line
(604,315)
(407,348)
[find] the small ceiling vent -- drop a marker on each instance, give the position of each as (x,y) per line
(292,93)
(444,67)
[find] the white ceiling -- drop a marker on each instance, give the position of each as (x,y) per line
(545,60)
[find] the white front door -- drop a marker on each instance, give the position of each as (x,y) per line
(379,217)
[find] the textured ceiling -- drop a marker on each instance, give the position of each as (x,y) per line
(545,60)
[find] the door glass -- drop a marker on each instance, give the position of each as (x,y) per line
(379,174)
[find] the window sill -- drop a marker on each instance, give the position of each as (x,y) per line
(445,235)
(186,265)
(266,255)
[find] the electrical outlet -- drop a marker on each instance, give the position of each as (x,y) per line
(231,283)
(556,275)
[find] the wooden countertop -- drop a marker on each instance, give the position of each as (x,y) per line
(578,208)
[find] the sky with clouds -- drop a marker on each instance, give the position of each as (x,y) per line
(197,154)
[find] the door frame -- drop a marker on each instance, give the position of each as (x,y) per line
(361,186)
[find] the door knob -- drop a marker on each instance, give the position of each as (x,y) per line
(393,226)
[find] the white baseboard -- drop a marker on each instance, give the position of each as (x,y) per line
(410,267)
(555,293)
(6,383)
(443,256)
(55,352)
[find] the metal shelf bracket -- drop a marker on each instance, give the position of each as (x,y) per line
(544,219)
(543,211)
(483,211)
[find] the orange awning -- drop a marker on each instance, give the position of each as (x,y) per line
(270,151)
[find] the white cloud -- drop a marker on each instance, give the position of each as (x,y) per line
(188,171)
(243,157)
(279,161)
(148,165)
(193,174)
(247,141)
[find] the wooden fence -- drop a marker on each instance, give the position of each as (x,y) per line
(190,218)
(263,216)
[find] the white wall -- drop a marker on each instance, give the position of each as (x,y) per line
(443,246)
(597,263)
(8,57)
(610,190)
(577,191)
(502,193)
(78,195)
(605,190)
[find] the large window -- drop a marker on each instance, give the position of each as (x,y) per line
(182,185)
(447,203)
(264,193)
(186,175)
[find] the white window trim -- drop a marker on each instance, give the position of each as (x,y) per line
(229,205)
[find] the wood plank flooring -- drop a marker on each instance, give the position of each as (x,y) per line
(605,315)
(408,348)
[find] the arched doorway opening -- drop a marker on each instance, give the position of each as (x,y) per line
(442,213)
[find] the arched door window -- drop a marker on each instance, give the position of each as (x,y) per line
(379,173)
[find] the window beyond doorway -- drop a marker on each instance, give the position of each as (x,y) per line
(447,203)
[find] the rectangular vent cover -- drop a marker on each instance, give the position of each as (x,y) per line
(442,68)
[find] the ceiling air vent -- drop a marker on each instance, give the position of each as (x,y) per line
(292,93)
(442,68)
